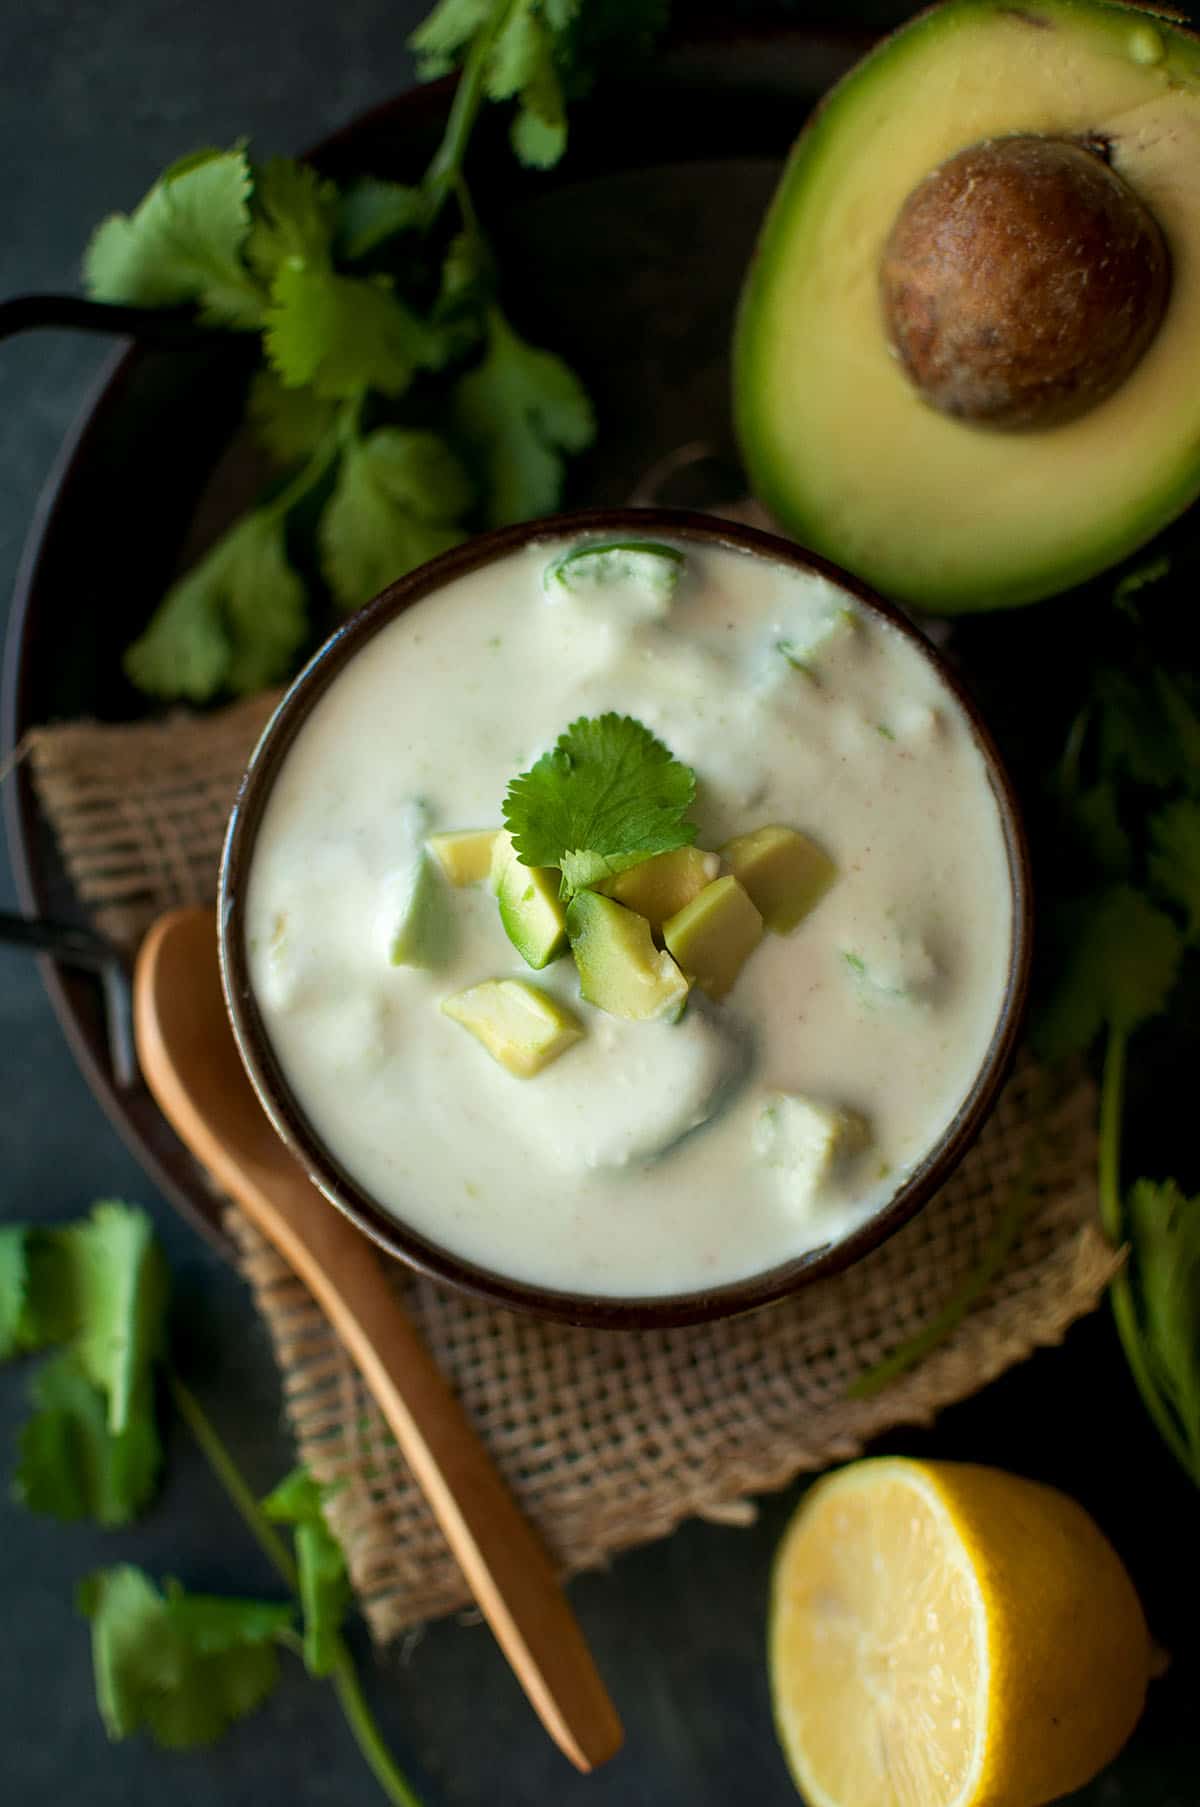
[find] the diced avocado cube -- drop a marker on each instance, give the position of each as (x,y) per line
(465,855)
(534,920)
(806,1140)
(413,920)
(639,577)
(520,1025)
(661,886)
(620,969)
(417,925)
(714,935)
(785,874)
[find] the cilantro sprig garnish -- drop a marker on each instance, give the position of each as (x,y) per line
(401,402)
(607,796)
(182,1667)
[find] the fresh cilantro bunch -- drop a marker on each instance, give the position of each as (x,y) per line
(180,1666)
(1107,698)
(401,404)
(1122,966)
(607,796)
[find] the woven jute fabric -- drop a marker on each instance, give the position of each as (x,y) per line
(609,1439)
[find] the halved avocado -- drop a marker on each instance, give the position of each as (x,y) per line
(842,444)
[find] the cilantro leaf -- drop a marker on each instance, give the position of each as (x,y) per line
(606,797)
(440,40)
(184,1666)
(324,1583)
(14,1283)
(1149,732)
(396,503)
(1096,820)
(346,334)
(294,218)
(70,1464)
(182,243)
(1164,1228)
(1149,571)
(1175,859)
(521,65)
(117,1279)
(1120,956)
(371,211)
(233,622)
(290,423)
(519,411)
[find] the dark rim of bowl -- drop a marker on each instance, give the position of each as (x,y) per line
(338,1184)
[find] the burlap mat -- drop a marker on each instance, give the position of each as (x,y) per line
(609,1439)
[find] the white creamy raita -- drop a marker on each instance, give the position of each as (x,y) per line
(644,1160)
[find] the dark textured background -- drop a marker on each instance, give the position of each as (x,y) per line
(96,96)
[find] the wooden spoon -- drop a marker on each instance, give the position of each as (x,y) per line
(191,1064)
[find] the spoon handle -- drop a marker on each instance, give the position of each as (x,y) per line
(201,1088)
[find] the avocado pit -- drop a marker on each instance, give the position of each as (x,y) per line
(1022,282)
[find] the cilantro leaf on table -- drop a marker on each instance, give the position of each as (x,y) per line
(607,796)
(346,334)
(1119,959)
(181,1666)
(113,1270)
(1164,1229)
(398,501)
(290,423)
(183,243)
(324,1582)
(1149,732)
(295,213)
(371,211)
(1175,859)
(235,621)
(519,411)
(70,1464)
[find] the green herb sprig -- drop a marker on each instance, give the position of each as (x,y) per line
(607,796)
(402,405)
(182,1667)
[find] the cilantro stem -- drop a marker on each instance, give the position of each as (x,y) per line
(1112,1219)
(232,1480)
(366,1732)
(447,161)
(996,1251)
(344,1675)
(344,428)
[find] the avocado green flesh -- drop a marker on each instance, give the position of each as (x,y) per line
(839,446)
(620,969)
(530,911)
(713,936)
(521,1026)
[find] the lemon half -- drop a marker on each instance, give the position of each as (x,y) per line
(944,1635)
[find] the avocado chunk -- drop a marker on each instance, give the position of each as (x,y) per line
(520,1025)
(806,1141)
(533,918)
(634,579)
(620,969)
(984,393)
(662,885)
(713,936)
(464,855)
(784,874)
(413,920)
